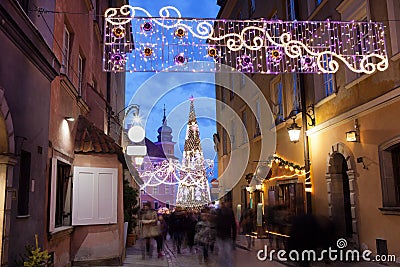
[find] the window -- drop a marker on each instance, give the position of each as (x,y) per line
(94,196)
(291,10)
(244,121)
(355,10)
(257,118)
(61,190)
(66,52)
(224,142)
(363,45)
(253,6)
(155,190)
(223,99)
(296,92)
(327,77)
(24,182)
(390,173)
(243,81)
(393,8)
(232,89)
(80,73)
(232,135)
(277,101)
(167,190)
(291,196)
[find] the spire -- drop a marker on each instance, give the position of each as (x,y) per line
(164,132)
(192,113)
(164,121)
(192,142)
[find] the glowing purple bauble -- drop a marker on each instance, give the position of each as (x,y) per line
(246,60)
(118,59)
(180,59)
(147,26)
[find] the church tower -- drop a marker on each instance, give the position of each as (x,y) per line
(164,139)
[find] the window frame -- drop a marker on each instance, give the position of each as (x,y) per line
(81,70)
(66,49)
(24,183)
(387,173)
(278,100)
(53,192)
(394,26)
(328,81)
(243,117)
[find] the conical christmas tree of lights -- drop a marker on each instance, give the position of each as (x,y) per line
(193,188)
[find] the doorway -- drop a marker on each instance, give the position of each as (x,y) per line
(340,196)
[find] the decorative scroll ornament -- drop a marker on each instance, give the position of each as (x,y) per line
(271,46)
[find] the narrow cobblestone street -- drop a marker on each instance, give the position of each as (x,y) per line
(242,257)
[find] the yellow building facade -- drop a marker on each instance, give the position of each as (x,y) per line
(354,183)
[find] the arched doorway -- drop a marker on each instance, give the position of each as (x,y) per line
(342,194)
(7,162)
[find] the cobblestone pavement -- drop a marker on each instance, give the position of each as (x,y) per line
(243,256)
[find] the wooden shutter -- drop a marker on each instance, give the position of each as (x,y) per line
(94,198)
(388,184)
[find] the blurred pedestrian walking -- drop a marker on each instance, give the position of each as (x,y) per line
(202,236)
(226,234)
(178,223)
(247,222)
(163,234)
(149,228)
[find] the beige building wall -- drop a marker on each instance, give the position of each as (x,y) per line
(371,99)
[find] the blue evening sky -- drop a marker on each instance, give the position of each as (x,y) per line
(177,99)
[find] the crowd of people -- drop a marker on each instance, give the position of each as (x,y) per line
(214,230)
(207,229)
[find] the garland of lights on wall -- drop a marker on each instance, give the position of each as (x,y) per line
(153,44)
(285,164)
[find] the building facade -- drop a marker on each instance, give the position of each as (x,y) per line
(162,195)
(354,183)
(62,133)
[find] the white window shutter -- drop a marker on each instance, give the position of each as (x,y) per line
(94,196)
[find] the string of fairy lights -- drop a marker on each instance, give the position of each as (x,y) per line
(251,46)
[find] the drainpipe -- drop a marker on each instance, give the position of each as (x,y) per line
(305,142)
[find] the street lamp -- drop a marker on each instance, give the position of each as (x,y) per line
(294,131)
(136,135)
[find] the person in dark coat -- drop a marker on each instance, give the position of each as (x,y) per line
(226,233)
(203,234)
(163,233)
(191,222)
(247,224)
(178,223)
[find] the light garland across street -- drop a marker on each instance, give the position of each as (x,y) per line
(170,173)
(133,43)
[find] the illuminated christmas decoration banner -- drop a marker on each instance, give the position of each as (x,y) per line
(152,44)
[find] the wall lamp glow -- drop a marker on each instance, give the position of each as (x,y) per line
(70,119)
(353,135)
(294,131)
